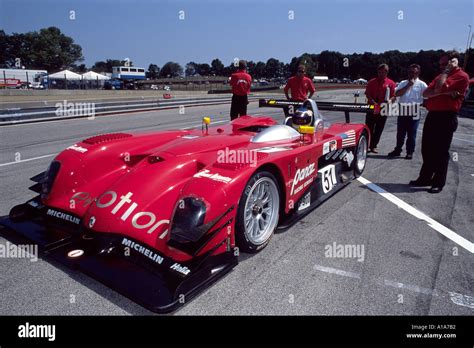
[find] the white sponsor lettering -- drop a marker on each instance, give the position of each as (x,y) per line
(63,216)
(179,268)
(349,158)
(343,154)
(305,202)
(77,148)
(82,196)
(334,154)
(143,250)
(150,222)
(216,177)
(140,220)
(99,203)
(302,174)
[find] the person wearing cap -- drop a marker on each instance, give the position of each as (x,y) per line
(410,92)
(445,95)
(240,82)
(379,90)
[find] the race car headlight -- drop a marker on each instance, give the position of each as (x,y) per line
(49,176)
(188,220)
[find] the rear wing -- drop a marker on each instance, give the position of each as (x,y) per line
(328,106)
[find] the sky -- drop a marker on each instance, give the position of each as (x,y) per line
(154,31)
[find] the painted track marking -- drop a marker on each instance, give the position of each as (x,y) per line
(456,298)
(27,160)
(456,238)
(337,271)
(54,154)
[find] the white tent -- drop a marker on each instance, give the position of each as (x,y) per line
(93,76)
(69,75)
(320,78)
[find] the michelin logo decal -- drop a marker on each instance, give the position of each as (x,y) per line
(63,216)
(143,250)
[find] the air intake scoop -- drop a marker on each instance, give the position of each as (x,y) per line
(105,138)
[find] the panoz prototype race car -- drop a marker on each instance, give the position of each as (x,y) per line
(160,216)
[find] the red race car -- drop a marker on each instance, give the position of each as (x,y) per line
(160,216)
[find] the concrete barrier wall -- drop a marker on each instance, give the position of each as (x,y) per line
(87,92)
(102,92)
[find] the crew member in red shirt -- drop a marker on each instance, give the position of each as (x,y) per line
(300,86)
(240,82)
(379,90)
(445,95)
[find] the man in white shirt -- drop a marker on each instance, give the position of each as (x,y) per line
(410,93)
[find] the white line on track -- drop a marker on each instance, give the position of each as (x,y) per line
(118,114)
(456,298)
(468,141)
(456,238)
(336,271)
(462,300)
(414,288)
(54,101)
(27,160)
(53,154)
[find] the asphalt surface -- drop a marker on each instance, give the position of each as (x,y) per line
(407,268)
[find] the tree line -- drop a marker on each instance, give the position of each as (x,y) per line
(51,50)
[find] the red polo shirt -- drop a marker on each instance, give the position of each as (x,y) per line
(240,82)
(300,86)
(457,80)
(376,89)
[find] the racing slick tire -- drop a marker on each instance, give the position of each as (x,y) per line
(258,211)
(360,158)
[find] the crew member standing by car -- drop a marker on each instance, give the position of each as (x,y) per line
(240,82)
(300,86)
(445,95)
(411,97)
(376,92)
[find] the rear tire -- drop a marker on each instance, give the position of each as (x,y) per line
(360,158)
(257,214)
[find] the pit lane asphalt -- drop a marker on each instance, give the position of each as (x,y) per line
(408,268)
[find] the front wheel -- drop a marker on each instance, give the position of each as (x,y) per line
(257,215)
(360,159)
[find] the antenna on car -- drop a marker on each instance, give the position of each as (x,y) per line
(205,123)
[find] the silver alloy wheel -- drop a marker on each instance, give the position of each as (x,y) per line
(361,153)
(261,211)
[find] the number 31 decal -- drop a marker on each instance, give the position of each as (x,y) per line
(328,177)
